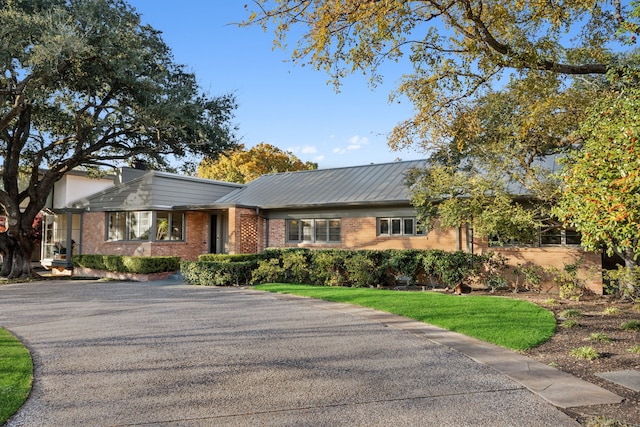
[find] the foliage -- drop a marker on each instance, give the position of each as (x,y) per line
(599,337)
(268,270)
(569,284)
(624,281)
(241,165)
(570,324)
(362,270)
(612,311)
(127,264)
(85,84)
(481,317)
(631,325)
(16,375)
(571,313)
(455,50)
(586,352)
(213,273)
(635,349)
(601,180)
(328,267)
(230,257)
(405,262)
(531,276)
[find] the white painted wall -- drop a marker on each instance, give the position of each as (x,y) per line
(72,188)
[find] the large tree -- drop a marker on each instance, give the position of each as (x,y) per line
(456,49)
(498,88)
(85,84)
(242,165)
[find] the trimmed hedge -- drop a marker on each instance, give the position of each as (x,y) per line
(340,267)
(218,273)
(127,264)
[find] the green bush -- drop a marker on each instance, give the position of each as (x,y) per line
(127,264)
(212,273)
(327,267)
(231,258)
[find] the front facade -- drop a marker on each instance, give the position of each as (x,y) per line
(365,207)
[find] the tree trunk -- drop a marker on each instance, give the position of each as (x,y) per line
(22,259)
(7,247)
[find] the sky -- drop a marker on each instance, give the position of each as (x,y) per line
(289,106)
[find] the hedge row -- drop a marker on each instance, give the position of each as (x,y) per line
(127,264)
(343,268)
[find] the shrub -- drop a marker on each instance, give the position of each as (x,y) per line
(405,262)
(612,311)
(570,286)
(127,264)
(631,325)
(361,270)
(269,270)
(327,267)
(217,273)
(295,264)
(570,324)
(571,313)
(599,337)
(624,282)
(635,349)
(231,258)
(588,353)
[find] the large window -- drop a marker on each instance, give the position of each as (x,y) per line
(314,230)
(145,225)
(408,226)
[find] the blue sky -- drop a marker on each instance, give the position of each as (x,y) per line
(280,103)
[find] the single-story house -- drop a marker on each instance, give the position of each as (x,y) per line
(150,213)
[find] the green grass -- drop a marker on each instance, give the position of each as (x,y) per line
(16,375)
(510,323)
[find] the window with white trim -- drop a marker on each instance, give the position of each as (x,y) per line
(314,230)
(402,226)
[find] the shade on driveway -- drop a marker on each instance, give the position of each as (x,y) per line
(117,353)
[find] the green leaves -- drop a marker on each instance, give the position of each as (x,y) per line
(601,195)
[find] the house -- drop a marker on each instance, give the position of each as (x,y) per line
(363,207)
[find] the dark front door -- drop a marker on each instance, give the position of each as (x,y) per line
(213,238)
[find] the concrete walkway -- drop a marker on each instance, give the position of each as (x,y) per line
(165,353)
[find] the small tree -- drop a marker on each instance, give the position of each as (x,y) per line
(602,179)
(241,165)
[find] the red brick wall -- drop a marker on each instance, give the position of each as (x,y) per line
(361,233)
(196,243)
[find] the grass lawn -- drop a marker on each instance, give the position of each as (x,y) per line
(16,375)
(510,323)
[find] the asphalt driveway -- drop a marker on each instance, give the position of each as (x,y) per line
(165,353)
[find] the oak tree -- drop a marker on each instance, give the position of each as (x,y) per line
(85,84)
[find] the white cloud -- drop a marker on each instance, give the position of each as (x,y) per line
(339,151)
(307,149)
(358,140)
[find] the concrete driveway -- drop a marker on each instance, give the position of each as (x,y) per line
(169,354)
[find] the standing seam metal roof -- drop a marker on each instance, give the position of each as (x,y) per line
(375,183)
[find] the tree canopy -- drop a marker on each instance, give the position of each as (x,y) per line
(242,165)
(601,196)
(457,49)
(85,84)
(499,90)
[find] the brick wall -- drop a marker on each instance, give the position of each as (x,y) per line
(196,243)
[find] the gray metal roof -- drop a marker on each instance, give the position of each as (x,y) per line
(158,190)
(358,185)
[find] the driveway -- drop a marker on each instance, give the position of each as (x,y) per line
(169,354)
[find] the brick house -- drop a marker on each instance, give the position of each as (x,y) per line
(150,213)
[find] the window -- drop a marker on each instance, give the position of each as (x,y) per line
(313,230)
(169,226)
(145,226)
(400,227)
(545,237)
